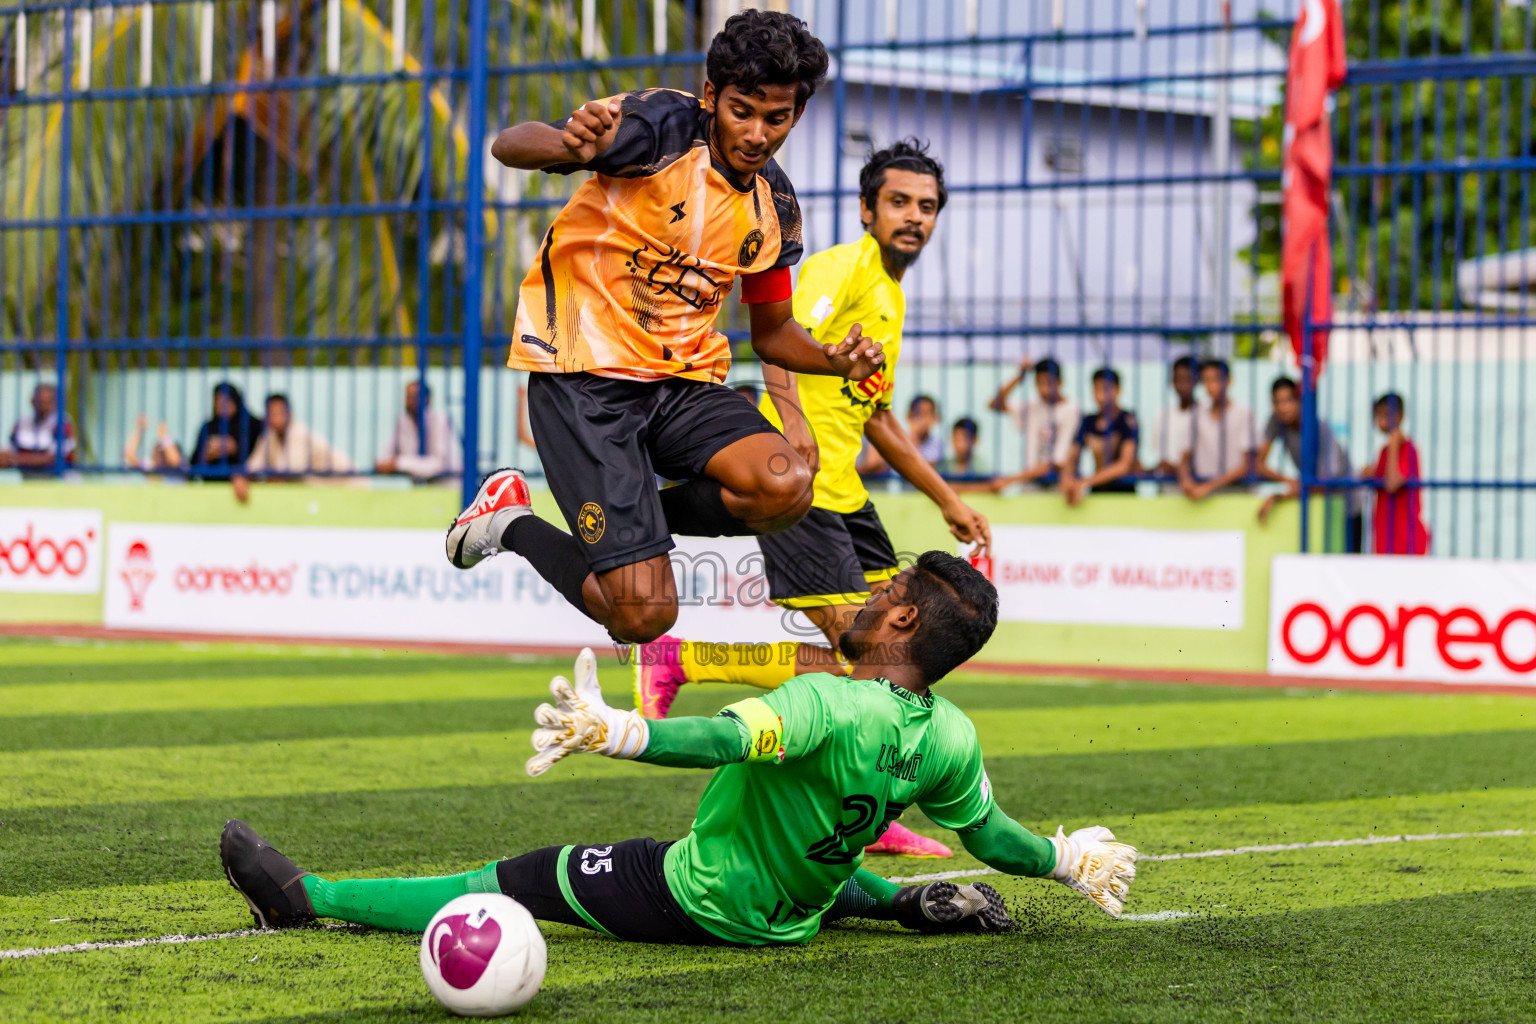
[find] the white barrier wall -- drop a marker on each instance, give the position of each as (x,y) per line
(50,550)
(1120,576)
(378,584)
(1400,618)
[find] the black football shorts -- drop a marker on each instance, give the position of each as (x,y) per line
(603,442)
(619,889)
(828,558)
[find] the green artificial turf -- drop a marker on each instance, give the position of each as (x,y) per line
(119,763)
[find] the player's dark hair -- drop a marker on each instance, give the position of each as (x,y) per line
(748,391)
(1106,375)
(758,48)
(1217,364)
(918,400)
(966,424)
(956,613)
(278,396)
(1049,367)
(1283,384)
(1189,363)
(906,155)
(1392,402)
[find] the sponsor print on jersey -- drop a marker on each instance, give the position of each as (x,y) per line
(871,390)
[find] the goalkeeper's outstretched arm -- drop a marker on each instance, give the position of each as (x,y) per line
(581,721)
(1088,860)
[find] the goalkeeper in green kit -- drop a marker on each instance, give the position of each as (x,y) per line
(806,776)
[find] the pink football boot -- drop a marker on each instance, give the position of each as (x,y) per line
(658,674)
(901,840)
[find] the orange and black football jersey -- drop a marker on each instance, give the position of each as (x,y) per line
(630,276)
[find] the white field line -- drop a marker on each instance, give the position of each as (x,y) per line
(938,876)
(158,940)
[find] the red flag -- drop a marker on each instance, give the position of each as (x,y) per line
(1316,69)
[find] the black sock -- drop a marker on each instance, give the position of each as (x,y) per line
(554,555)
(697,509)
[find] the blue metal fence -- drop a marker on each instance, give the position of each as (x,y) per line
(296,197)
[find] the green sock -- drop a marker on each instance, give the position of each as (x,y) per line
(866,894)
(400,904)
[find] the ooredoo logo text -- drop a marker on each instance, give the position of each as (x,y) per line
(1367,634)
(38,553)
(251,579)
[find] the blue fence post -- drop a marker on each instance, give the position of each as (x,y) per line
(66,144)
(424,227)
(474,209)
(839,120)
(1308,468)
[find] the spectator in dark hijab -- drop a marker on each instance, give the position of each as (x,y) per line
(226,440)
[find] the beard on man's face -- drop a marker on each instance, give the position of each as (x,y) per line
(900,259)
(866,620)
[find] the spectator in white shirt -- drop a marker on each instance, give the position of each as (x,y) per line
(1047,426)
(1173,428)
(441,457)
(35,437)
(289,449)
(1225,442)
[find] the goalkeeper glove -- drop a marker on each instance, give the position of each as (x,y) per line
(1091,862)
(579,721)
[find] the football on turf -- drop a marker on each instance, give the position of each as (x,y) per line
(483,956)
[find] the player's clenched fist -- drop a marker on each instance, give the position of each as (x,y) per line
(590,129)
(856,356)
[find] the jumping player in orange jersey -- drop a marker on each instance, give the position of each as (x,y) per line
(616,323)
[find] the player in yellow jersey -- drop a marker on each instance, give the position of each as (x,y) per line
(616,324)
(827,564)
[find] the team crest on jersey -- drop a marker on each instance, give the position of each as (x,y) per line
(868,391)
(750,247)
(674,272)
(590,522)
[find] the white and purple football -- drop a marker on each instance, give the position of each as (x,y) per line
(483,956)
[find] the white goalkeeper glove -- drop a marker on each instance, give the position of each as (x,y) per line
(1090,861)
(579,721)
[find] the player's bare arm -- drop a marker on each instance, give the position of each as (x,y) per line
(780,340)
(534,145)
(895,445)
(785,397)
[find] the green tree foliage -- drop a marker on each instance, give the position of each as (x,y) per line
(1403,231)
(208,150)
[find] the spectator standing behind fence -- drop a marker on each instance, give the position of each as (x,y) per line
(1225,440)
(288,448)
(225,441)
(164,456)
(35,437)
(1046,426)
(1174,427)
(1397,527)
(1332,462)
(405,455)
(1111,435)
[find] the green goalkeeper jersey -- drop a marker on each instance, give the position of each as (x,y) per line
(832,762)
